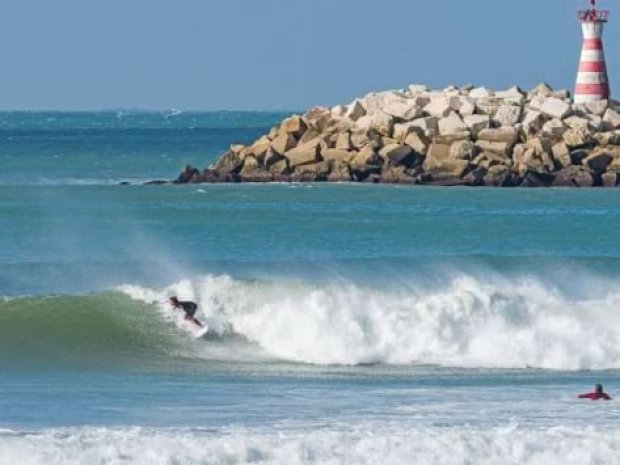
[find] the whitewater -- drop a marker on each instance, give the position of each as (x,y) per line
(348,324)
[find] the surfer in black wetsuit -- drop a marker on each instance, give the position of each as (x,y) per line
(189,308)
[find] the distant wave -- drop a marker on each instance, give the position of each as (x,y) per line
(359,444)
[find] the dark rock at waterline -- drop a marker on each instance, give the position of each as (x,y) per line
(157,182)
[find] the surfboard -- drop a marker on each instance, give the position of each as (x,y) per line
(200,332)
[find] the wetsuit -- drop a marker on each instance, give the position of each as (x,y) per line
(190,308)
(595,396)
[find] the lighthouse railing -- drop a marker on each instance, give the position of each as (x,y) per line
(594,15)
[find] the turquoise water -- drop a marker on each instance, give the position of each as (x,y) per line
(348,323)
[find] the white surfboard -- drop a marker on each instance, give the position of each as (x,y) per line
(200,332)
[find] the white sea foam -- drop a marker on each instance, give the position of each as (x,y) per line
(358,444)
(497,323)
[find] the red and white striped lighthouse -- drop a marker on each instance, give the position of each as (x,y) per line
(592,80)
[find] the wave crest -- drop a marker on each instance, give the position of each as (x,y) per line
(498,323)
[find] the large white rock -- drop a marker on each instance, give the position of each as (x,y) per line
(575,122)
(441,107)
(554,128)
(480,92)
(507,115)
(556,108)
(378,121)
(378,101)
(339,111)
(405,110)
(430,125)
(467,106)
(512,96)
(488,105)
(452,124)
(533,121)
(477,123)
(503,134)
(597,107)
(612,118)
(356,110)
(418,88)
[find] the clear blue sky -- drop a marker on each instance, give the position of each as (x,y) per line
(277,54)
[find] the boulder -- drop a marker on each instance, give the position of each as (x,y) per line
(574,176)
(283,143)
(554,128)
(532,121)
(418,142)
(318,117)
(487,160)
(429,125)
(252,171)
(294,125)
(541,90)
(402,130)
(379,121)
(339,172)
(488,105)
(400,155)
(452,124)
(480,92)
(463,150)
(418,89)
(313,172)
(612,119)
(355,111)
(500,148)
(512,96)
(279,168)
(229,163)
(536,179)
(467,106)
(577,122)
(597,107)
(343,141)
(609,179)
(561,155)
(365,163)
(396,175)
(498,176)
(338,155)
(439,163)
(310,134)
(556,108)
(304,154)
(477,123)
(504,134)
(578,137)
(188,175)
(507,115)
(441,107)
(360,139)
(607,138)
(598,162)
(404,110)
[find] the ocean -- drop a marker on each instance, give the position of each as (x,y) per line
(349,324)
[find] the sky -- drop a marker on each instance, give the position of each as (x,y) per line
(277,54)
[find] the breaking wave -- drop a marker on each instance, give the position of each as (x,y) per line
(467,322)
(359,444)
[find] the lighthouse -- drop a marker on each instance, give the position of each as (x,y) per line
(592,81)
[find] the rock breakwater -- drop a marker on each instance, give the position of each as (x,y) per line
(456,136)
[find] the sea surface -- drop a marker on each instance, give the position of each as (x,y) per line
(349,324)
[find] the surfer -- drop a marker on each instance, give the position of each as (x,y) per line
(189,308)
(598,394)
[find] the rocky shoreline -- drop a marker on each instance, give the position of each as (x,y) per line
(469,136)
